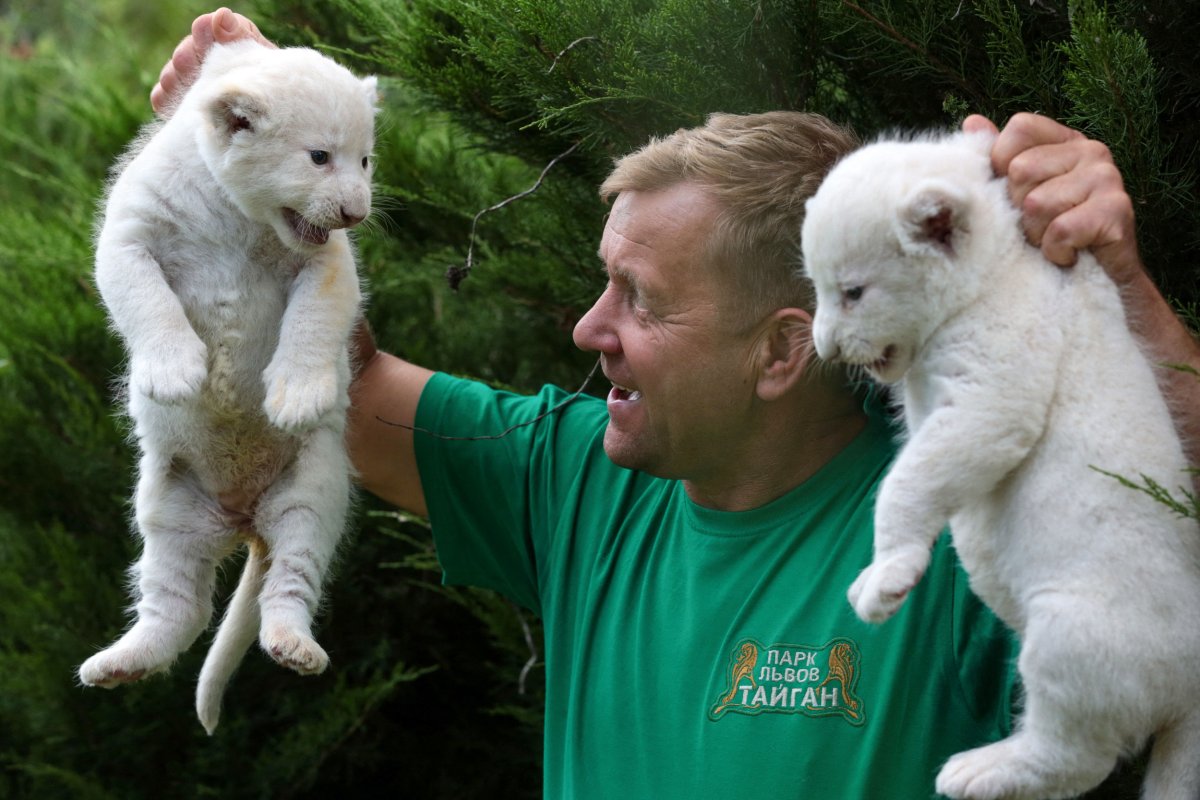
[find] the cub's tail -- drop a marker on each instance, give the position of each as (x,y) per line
(236,634)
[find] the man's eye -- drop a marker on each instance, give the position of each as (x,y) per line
(319,157)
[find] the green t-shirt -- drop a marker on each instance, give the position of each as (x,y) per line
(693,653)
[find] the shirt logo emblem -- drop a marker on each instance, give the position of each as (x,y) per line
(793,679)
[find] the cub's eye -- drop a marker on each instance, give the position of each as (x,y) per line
(319,157)
(365,162)
(852,294)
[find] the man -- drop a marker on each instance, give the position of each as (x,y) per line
(689,542)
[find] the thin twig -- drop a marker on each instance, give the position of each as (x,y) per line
(533,651)
(564,51)
(456,275)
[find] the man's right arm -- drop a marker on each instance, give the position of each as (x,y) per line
(383,409)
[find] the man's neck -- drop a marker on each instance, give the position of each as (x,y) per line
(786,456)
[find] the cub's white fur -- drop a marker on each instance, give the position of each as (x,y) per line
(1018,378)
(225,267)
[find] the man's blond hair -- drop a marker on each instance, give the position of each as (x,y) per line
(760,168)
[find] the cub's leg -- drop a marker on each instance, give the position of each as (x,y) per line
(903,539)
(936,475)
(306,376)
(1035,763)
(301,519)
(1065,742)
(183,538)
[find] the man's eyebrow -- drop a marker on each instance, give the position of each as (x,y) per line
(622,275)
(613,270)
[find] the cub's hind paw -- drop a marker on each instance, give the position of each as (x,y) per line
(296,651)
(976,775)
(113,667)
(1022,768)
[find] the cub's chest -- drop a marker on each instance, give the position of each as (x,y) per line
(244,287)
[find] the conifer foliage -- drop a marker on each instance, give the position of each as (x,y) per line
(534,77)
(435,692)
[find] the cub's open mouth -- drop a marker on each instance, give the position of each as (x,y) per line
(881,363)
(305,231)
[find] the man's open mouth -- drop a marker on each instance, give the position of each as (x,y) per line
(620,393)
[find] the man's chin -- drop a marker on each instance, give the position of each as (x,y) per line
(625,452)
(622,452)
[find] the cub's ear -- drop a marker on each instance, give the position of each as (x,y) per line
(235,110)
(371,89)
(933,219)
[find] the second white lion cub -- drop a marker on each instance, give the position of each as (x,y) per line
(1019,381)
(225,266)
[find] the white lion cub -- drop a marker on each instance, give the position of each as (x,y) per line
(1019,381)
(225,267)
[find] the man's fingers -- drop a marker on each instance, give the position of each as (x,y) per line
(1051,185)
(1086,160)
(185,61)
(229,26)
(977,123)
(202,33)
(1025,131)
(159,94)
(1104,225)
(180,71)
(176,74)
(1070,193)
(1072,203)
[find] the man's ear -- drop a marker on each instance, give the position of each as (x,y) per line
(932,219)
(235,110)
(785,352)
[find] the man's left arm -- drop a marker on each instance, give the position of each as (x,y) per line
(1072,197)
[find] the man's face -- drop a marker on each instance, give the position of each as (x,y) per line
(683,387)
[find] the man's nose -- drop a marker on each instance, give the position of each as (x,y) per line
(594,330)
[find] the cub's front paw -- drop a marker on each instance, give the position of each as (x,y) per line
(881,588)
(298,399)
(172,374)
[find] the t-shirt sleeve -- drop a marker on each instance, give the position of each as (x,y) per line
(495,482)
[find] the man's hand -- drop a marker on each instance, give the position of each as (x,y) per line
(1069,191)
(177,74)
(1072,198)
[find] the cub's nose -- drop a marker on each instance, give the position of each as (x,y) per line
(351,218)
(829,351)
(827,346)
